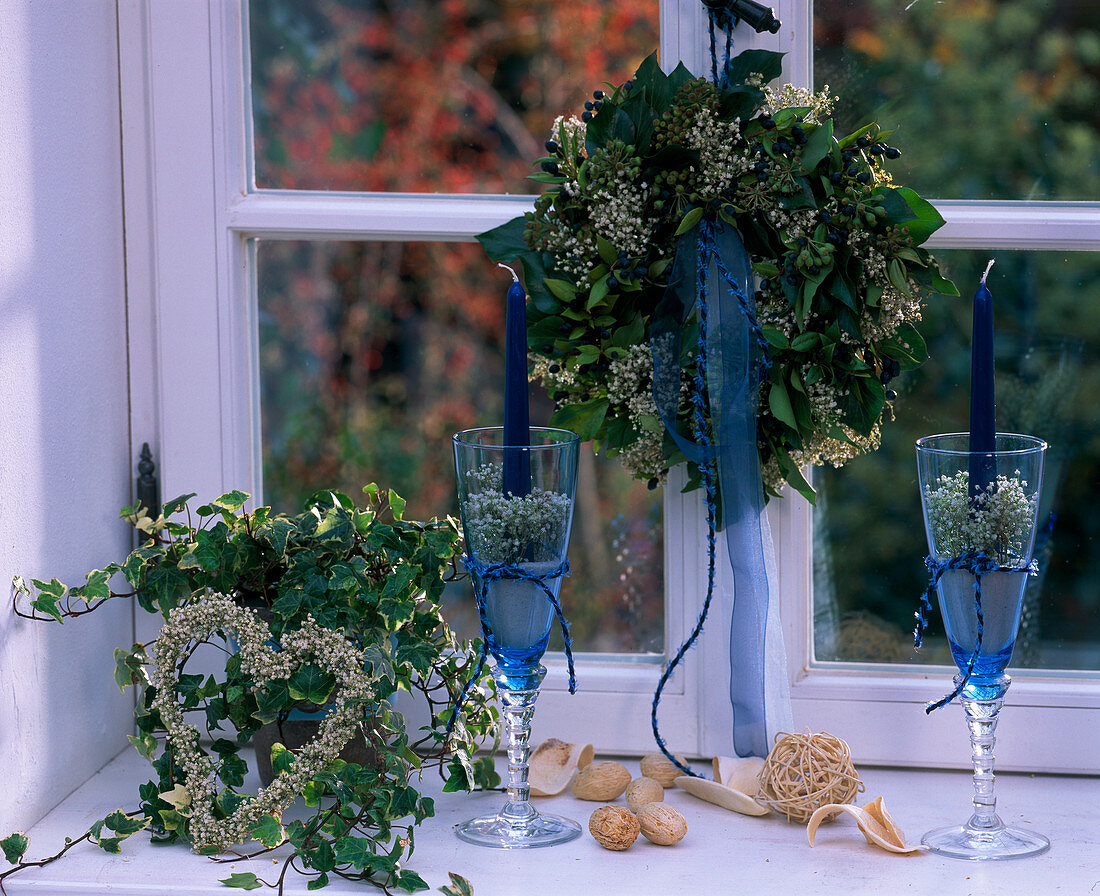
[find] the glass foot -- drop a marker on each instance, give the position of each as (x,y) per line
(964,842)
(502,833)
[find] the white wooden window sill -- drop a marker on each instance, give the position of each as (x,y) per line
(723,852)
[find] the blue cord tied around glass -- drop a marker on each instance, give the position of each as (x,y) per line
(483,574)
(978,563)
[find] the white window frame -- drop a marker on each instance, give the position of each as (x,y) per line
(189,219)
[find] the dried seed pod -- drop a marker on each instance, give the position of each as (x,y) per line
(601,781)
(660,769)
(552,765)
(661,824)
(642,791)
(740,774)
(614,827)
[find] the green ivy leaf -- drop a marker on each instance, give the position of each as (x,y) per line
(356,851)
(243,880)
(319,882)
(146,745)
(14,847)
(47,603)
(459,886)
(397,504)
(177,504)
(268,831)
(410,881)
(312,684)
(125,825)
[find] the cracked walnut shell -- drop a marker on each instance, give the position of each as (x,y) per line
(614,827)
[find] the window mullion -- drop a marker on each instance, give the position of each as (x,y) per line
(376,216)
(1068,226)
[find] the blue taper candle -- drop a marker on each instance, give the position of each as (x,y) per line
(517,420)
(983,424)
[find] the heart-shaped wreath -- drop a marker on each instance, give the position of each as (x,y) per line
(210,822)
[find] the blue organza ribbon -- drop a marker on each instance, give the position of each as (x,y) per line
(978,563)
(483,574)
(710,287)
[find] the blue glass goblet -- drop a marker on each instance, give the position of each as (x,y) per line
(980,512)
(516,504)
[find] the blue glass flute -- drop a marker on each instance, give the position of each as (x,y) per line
(996,524)
(516,547)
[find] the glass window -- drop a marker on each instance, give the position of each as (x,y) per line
(869,539)
(424,96)
(995,100)
(362,380)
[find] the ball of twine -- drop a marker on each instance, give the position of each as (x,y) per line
(806,771)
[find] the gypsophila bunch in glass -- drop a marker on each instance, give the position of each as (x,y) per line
(996,520)
(835,246)
(506,529)
(331,612)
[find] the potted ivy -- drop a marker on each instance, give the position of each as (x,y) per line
(331,611)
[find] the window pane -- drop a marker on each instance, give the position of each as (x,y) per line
(869,539)
(368,365)
(995,100)
(427,95)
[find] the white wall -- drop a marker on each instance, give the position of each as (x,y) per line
(65,465)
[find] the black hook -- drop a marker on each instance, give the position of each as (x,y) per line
(758,17)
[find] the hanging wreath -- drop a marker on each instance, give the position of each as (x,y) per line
(835,249)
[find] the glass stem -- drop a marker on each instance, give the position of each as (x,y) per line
(518,704)
(982,704)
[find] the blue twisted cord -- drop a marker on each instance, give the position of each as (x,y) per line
(743,302)
(483,574)
(701,431)
(721,19)
(978,563)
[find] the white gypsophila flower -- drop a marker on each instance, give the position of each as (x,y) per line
(329,649)
(616,214)
(721,153)
(630,381)
(630,385)
(575,130)
(508,529)
(645,457)
(819,105)
(997,520)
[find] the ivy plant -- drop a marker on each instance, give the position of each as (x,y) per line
(363,571)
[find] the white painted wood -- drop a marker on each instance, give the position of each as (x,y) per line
(723,852)
(65,454)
